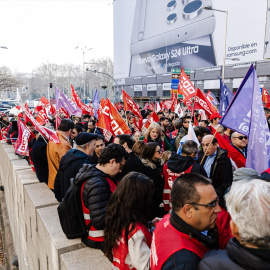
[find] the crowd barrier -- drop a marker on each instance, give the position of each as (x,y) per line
(39,241)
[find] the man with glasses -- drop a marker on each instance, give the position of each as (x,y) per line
(98,185)
(72,162)
(217,165)
(239,142)
(178,241)
(183,131)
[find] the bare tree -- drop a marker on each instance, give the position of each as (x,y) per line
(8,81)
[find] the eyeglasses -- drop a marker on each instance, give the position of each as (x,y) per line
(241,138)
(121,166)
(159,151)
(212,204)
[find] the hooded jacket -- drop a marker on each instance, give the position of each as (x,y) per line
(236,257)
(69,166)
(178,164)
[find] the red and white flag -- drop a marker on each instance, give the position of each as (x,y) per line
(42,117)
(130,105)
(185,87)
(265,98)
(152,118)
(57,122)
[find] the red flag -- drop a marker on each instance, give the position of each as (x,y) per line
(64,111)
(1,137)
(116,105)
(233,154)
(46,132)
(101,106)
(152,107)
(265,98)
(42,117)
(152,118)
(111,120)
(120,107)
(130,105)
(75,98)
(201,102)
(24,136)
(188,103)
(57,122)
(43,101)
(185,87)
(167,104)
(146,106)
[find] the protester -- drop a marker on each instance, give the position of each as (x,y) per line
(137,135)
(154,134)
(183,131)
(217,166)
(248,203)
(55,151)
(152,167)
(239,142)
(178,165)
(138,148)
(178,241)
(76,130)
(127,238)
(214,119)
(97,189)
(72,162)
(133,164)
(100,145)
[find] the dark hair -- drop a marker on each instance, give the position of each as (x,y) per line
(189,147)
(186,117)
(205,121)
(29,124)
(130,203)
(112,151)
(146,114)
(92,121)
(159,113)
(86,116)
(138,147)
(266,110)
(204,130)
(198,131)
(177,124)
(66,125)
(125,138)
(78,128)
(79,124)
(149,150)
(99,137)
(184,189)
(163,118)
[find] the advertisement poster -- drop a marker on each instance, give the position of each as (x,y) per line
(153,36)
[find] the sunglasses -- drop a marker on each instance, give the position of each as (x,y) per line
(241,138)
(159,151)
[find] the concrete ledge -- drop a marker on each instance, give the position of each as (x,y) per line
(39,241)
(84,259)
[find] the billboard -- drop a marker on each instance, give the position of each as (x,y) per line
(154,36)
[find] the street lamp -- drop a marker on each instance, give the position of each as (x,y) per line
(83,51)
(224,55)
(95,71)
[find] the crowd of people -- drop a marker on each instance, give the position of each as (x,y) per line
(153,199)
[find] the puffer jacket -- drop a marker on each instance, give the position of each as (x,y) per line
(69,166)
(96,194)
(236,257)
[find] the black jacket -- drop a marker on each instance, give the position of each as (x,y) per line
(178,164)
(221,173)
(133,164)
(154,171)
(69,166)
(96,194)
(39,158)
(236,257)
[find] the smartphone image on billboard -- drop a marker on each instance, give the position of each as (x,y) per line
(161,23)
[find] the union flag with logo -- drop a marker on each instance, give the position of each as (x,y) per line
(130,105)
(185,87)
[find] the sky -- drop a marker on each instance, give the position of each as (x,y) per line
(38,31)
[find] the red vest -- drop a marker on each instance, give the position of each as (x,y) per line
(167,240)
(162,145)
(121,251)
(169,177)
(94,234)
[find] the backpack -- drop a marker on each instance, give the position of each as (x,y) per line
(71,214)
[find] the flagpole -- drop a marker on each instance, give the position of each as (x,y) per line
(209,145)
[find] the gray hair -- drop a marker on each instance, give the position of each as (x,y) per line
(82,146)
(189,147)
(248,203)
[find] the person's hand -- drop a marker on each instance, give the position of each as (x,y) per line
(155,221)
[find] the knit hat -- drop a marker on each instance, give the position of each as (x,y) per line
(245,174)
(85,137)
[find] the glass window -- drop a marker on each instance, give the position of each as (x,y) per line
(151,93)
(167,93)
(137,93)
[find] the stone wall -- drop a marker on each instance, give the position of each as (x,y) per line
(38,239)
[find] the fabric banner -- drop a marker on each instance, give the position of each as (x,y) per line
(185,87)
(265,98)
(130,105)
(152,118)
(42,117)
(96,104)
(75,98)
(226,96)
(211,97)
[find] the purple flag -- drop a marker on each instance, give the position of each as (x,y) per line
(245,115)
(61,100)
(214,100)
(96,103)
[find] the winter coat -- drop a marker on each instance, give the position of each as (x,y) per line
(221,173)
(55,151)
(39,158)
(69,166)
(236,257)
(96,194)
(178,164)
(133,164)
(154,171)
